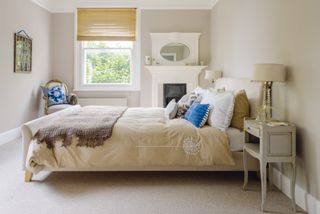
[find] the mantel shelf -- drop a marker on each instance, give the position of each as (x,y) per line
(164,68)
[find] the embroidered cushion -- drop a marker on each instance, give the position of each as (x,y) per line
(182,109)
(56,95)
(189,99)
(198,114)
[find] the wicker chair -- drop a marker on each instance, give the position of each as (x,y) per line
(71,98)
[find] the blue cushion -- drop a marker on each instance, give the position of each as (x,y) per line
(187,114)
(56,95)
(198,114)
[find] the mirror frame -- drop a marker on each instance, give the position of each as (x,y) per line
(174,45)
(191,40)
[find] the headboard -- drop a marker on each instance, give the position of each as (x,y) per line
(253,89)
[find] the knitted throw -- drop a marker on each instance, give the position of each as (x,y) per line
(91,125)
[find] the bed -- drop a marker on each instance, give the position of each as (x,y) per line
(150,143)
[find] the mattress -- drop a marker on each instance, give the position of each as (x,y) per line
(235,139)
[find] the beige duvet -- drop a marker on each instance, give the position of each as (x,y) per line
(142,137)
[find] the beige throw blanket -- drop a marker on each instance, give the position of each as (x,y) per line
(91,125)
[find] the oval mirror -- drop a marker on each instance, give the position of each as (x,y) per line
(175,52)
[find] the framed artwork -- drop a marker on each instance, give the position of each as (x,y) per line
(22,53)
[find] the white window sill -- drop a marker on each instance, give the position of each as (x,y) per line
(105,89)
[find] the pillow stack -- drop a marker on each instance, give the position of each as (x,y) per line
(218,107)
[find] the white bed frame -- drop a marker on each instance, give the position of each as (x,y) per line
(254,93)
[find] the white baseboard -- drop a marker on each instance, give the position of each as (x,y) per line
(303,198)
(10,135)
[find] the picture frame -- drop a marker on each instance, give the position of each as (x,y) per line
(22,53)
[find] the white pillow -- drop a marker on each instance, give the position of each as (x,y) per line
(221,108)
(199,90)
(171,109)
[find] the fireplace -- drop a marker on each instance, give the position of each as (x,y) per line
(173,91)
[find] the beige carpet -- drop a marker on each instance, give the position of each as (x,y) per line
(133,193)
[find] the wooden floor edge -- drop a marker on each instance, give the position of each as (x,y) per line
(28,176)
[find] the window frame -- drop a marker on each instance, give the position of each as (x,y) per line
(83,65)
(79,74)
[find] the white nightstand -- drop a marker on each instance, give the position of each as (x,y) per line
(273,144)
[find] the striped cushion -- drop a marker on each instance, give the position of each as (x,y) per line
(198,114)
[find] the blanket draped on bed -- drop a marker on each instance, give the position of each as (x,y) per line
(92,125)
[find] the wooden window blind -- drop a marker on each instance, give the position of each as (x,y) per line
(106,24)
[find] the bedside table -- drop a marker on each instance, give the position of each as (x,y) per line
(270,144)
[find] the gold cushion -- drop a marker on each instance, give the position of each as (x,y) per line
(241,110)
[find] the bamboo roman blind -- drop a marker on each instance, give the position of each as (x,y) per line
(106,24)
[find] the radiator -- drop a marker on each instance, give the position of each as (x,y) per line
(103,101)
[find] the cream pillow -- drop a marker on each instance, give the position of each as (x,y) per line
(221,108)
(171,109)
(241,110)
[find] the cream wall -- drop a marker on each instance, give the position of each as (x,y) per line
(20,93)
(164,21)
(281,31)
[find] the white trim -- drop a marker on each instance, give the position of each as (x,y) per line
(10,135)
(176,8)
(54,6)
(47,6)
(303,199)
(77,54)
(214,3)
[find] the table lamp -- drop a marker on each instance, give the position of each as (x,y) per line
(268,73)
(212,75)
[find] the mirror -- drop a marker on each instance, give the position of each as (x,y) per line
(175,52)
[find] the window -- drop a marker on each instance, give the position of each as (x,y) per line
(107,62)
(107,53)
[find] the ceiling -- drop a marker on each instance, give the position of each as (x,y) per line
(63,6)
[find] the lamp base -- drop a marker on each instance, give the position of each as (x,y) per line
(267,99)
(264,114)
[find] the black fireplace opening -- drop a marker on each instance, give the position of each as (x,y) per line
(173,91)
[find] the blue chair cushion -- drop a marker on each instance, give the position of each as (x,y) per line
(198,114)
(56,95)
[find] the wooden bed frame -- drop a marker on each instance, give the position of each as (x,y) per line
(254,93)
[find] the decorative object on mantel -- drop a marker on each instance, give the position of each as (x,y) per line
(148,60)
(22,52)
(211,76)
(268,73)
(175,48)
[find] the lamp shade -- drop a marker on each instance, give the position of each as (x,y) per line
(269,73)
(212,75)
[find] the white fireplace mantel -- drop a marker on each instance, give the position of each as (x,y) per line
(172,74)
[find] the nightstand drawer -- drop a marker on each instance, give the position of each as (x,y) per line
(253,130)
(280,144)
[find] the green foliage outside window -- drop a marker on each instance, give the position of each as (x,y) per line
(108,65)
